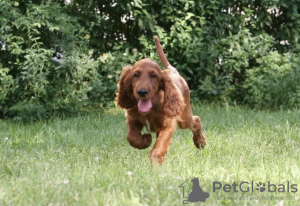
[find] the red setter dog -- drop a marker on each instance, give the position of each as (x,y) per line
(158,100)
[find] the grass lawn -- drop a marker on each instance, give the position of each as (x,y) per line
(87,161)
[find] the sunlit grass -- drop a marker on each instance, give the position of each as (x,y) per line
(87,160)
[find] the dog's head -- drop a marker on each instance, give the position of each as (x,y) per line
(140,83)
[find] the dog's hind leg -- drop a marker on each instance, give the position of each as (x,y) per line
(187,120)
(198,137)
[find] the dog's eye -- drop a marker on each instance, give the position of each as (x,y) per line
(153,76)
(136,75)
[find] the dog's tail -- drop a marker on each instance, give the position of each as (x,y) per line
(161,53)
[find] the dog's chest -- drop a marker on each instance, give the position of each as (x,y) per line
(149,125)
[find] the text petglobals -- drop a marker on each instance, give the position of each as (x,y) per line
(251,187)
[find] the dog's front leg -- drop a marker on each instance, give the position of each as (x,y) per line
(135,137)
(162,143)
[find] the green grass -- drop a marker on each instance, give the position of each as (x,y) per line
(87,160)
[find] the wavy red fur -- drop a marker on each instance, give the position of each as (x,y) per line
(170,105)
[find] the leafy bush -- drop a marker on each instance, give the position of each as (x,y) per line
(34,85)
(6,84)
(211,43)
(274,83)
(222,48)
(232,56)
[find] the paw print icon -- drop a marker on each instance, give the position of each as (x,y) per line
(261,187)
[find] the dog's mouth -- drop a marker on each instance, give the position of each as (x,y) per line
(144,105)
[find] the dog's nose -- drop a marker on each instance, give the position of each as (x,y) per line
(142,92)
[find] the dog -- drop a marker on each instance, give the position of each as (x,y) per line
(157,100)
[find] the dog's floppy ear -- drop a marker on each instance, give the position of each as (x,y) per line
(173,100)
(125,97)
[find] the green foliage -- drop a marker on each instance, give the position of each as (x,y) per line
(6,84)
(33,84)
(212,43)
(275,83)
(232,56)
(215,45)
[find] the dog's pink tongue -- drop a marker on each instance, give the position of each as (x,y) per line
(144,105)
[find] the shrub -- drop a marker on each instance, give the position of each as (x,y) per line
(34,85)
(274,83)
(223,48)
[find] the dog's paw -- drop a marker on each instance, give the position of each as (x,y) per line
(200,141)
(147,140)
